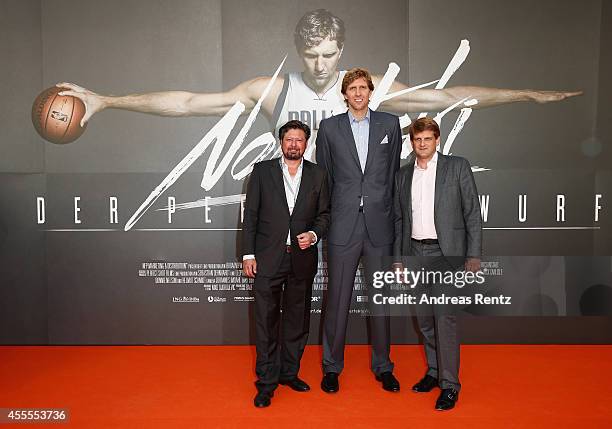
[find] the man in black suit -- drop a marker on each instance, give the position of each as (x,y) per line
(437,220)
(286,214)
(360,150)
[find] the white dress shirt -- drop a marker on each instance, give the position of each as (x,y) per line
(292,187)
(423,193)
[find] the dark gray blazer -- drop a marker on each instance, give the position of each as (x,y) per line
(456,209)
(337,153)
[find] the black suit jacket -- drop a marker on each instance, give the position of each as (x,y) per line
(337,153)
(267,219)
(456,209)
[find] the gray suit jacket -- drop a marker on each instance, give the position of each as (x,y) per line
(337,153)
(456,209)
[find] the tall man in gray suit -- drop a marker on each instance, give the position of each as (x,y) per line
(360,150)
(437,216)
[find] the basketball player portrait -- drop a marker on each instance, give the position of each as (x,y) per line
(310,95)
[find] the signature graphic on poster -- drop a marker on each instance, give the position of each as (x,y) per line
(266,142)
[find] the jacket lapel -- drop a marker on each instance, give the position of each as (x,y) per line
(407,192)
(347,133)
(277,179)
(374,138)
(441,170)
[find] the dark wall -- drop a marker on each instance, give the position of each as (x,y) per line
(84,287)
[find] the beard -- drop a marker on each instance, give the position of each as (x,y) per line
(292,155)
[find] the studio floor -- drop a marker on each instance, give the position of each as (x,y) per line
(212,386)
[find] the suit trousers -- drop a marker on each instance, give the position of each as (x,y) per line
(281,335)
(440,336)
(342,267)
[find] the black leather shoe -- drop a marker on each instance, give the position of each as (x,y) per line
(330,384)
(389,382)
(263,399)
(425,385)
(296,384)
(447,399)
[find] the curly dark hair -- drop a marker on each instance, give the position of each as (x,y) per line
(294,125)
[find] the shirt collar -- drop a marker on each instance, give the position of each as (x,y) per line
(432,161)
(353,119)
(284,165)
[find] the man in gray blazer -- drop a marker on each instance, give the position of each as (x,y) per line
(437,216)
(360,150)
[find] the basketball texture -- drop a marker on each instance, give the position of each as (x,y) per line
(57,117)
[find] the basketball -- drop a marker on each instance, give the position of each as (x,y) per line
(57,117)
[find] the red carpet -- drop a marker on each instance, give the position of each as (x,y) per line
(168,387)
